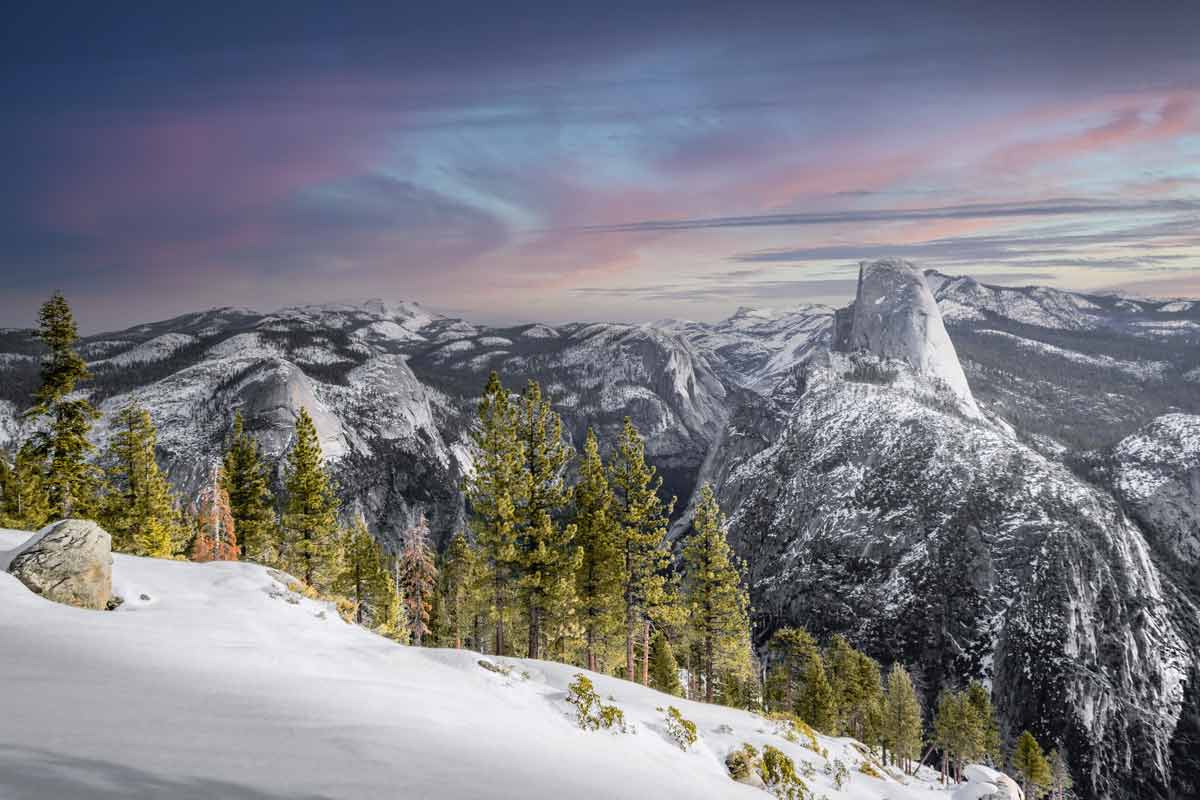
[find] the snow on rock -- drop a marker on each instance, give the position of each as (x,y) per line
(216,680)
(965,298)
(1177,306)
(983,783)
(895,316)
(1142,370)
(155,349)
(69,561)
(540,332)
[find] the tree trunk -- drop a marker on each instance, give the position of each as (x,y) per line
(591,648)
(535,633)
(646,653)
(708,669)
(629,622)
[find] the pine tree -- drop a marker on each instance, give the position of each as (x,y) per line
(139,510)
(246,479)
(598,581)
(493,490)
(363,577)
(24,501)
(841,667)
(958,732)
(418,578)
(981,702)
(1060,775)
(457,565)
(664,669)
(641,517)
(310,514)
(866,717)
(216,536)
(901,723)
(62,442)
(548,556)
(1030,764)
(716,602)
(799,683)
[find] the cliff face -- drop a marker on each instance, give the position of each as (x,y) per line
(883,506)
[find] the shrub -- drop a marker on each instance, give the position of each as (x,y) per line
(837,770)
(866,768)
(742,762)
(778,772)
(683,731)
(590,713)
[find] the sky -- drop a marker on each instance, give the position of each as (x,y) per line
(508,162)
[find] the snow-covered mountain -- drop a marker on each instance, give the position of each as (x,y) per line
(216,681)
(981,480)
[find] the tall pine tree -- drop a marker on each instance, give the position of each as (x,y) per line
(418,579)
(310,527)
(548,556)
(664,669)
(216,536)
(139,510)
(641,518)
(458,564)
(1030,764)
(246,479)
(61,439)
(717,603)
(599,578)
(902,718)
(494,490)
(363,576)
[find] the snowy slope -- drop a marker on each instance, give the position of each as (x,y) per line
(212,680)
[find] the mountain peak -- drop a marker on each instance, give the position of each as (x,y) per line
(895,316)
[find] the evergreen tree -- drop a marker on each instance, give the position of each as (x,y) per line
(866,717)
(246,479)
(139,510)
(1060,775)
(418,579)
(310,515)
(799,683)
(598,581)
(62,441)
(641,517)
(841,667)
(363,577)
(664,669)
(901,722)
(957,732)
(457,565)
(216,536)
(392,619)
(494,490)
(548,556)
(981,703)
(1030,764)
(24,501)
(716,602)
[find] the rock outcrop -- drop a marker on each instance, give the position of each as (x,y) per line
(68,562)
(895,316)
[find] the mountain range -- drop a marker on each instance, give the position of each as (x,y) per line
(980,481)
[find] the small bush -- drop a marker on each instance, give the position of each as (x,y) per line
(590,713)
(837,770)
(683,731)
(490,666)
(742,763)
(866,768)
(778,772)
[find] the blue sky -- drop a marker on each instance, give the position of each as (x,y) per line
(582,161)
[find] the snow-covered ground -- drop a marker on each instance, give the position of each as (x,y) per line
(213,680)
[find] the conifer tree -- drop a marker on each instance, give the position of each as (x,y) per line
(216,536)
(24,502)
(901,722)
(841,667)
(641,517)
(548,556)
(866,717)
(985,716)
(362,576)
(958,732)
(457,566)
(1060,775)
(664,669)
(418,579)
(598,582)
(310,528)
(62,441)
(392,619)
(494,489)
(246,480)
(1030,764)
(139,510)
(815,702)
(717,603)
